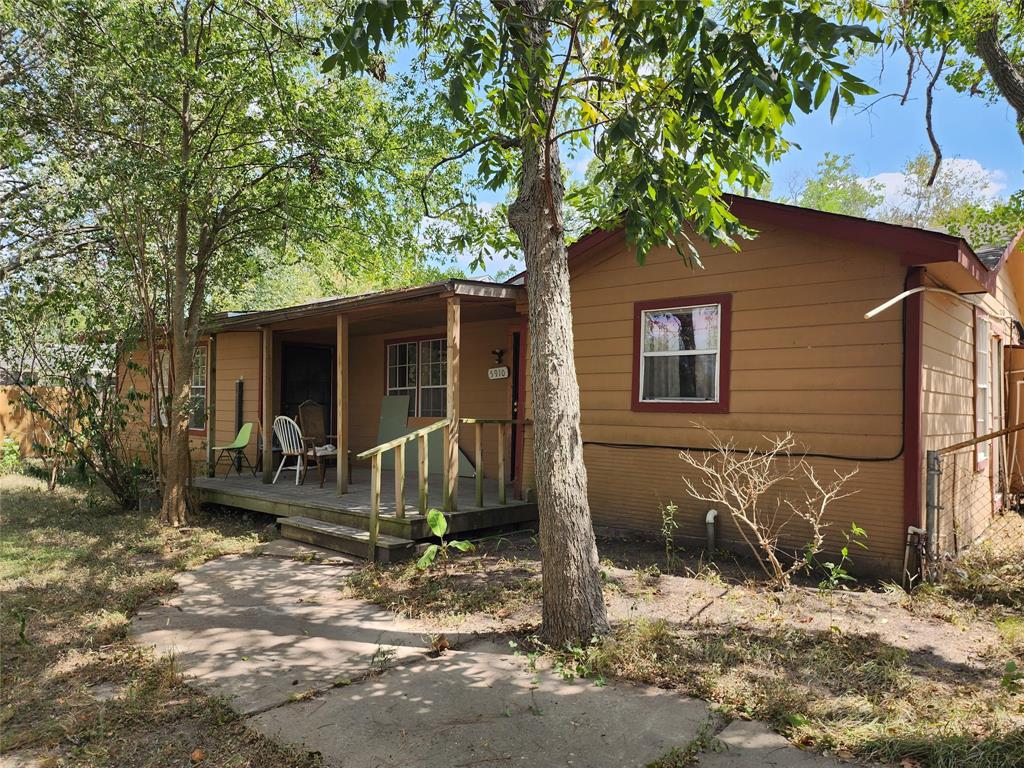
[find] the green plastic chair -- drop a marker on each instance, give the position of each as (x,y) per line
(236,450)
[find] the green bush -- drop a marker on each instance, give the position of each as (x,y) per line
(10,456)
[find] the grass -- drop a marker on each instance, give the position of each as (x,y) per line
(485,584)
(991,572)
(851,694)
(73,570)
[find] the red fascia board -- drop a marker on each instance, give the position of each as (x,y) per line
(918,246)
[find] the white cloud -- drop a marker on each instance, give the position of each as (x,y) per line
(988,184)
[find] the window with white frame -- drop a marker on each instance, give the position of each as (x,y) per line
(680,354)
(197,412)
(983,386)
(197,391)
(419,369)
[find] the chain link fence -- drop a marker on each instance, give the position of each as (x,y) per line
(974,504)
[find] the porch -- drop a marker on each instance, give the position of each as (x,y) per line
(320,516)
(421,392)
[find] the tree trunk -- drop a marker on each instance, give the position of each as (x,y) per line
(177,467)
(1008,76)
(573,603)
(182,343)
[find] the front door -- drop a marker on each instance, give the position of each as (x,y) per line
(307,373)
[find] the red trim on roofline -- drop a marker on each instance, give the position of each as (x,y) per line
(1017,242)
(918,246)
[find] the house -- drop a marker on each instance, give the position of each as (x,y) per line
(775,339)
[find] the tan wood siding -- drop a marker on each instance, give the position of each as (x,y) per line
(803,359)
(480,397)
(948,403)
(238,358)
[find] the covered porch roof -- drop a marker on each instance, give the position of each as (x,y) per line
(382,311)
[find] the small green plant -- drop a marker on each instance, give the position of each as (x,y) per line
(836,574)
(439,527)
(22,616)
(669,524)
(382,657)
(10,456)
(1012,678)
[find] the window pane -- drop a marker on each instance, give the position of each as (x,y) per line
(433,401)
(197,416)
(678,377)
(675,330)
(199,367)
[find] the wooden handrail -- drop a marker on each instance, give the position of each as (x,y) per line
(402,439)
(376,455)
(520,422)
(503,432)
(397,445)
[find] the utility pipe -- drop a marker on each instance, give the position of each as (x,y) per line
(709,524)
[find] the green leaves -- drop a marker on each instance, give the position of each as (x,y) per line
(428,557)
(677,101)
(438,525)
(437,522)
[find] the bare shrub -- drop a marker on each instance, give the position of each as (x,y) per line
(741,483)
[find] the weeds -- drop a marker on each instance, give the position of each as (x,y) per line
(497,587)
(10,456)
(71,574)
(669,525)
(824,689)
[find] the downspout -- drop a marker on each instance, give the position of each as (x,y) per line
(913,376)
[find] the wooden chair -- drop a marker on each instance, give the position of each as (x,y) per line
(236,451)
(312,421)
(303,449)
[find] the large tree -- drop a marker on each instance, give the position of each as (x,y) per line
(837,188)
(674,99)
(189,141)
(976,46)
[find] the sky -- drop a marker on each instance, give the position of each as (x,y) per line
(885,136)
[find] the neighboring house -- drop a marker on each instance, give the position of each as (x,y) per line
(776,340)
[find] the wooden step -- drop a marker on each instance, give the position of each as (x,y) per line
(343,538)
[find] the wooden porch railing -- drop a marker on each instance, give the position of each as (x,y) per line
(376,455)
(397,445)
(503,433)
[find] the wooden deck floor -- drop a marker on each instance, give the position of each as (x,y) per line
(285,499)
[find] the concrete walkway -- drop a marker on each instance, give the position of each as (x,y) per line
(361,686)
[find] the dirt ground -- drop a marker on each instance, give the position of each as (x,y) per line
(698,595)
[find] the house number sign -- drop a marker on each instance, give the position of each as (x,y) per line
(499,372)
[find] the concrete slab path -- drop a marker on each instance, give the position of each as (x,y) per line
(360,686)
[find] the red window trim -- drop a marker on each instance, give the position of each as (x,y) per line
(724,354)
(409,340)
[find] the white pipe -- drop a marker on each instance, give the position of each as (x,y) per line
(709,525)
(901,296)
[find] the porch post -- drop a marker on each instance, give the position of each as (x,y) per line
(451,486)
(211,404)
(341,406)
(266,387)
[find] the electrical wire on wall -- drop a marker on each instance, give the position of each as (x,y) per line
(832,456)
